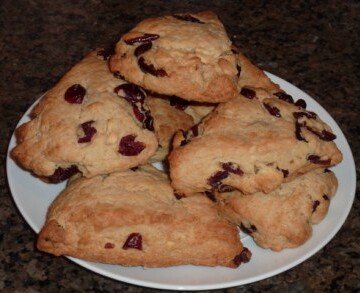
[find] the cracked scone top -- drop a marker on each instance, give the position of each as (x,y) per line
(188,56)
(252,143)
(284,217)
(81,124)
(132,218)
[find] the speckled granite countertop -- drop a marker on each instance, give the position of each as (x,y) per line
(314,46)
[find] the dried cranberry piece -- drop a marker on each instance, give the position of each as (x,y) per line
(75,94)
(178,196)
(132,93)
(187,17)
(129,147)
(325,197)
(149,68)
(192,132)
(144,116)
(136,97)
(210,195)
(134,169)
(62,174)
(138,114)
(315,205)
(273,110)
(298,131)
(89,132)
(134,240)
(301,103)
(142,39)
(323,135)
(222,188)
(178,103)
(109,245)
(142,49)
(310,115)
(232,168)
(285,97)
(249,230)
(215,180)
(238,70)
(243,257)
(284,171)
(248,93)
(317,160)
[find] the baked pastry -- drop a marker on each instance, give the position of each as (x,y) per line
(253,143)
(133,218)
(168,119)
(82,125)
(252,76)
(249,75)
(282,218)
(185,55)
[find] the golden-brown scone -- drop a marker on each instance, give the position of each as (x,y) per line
(249,75)
(282,218)
(252,76)
(253,143)
(188,56)
(167,120)
(133,218)
(81,124)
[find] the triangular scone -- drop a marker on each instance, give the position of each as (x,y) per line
(282,218)
(81,124)
(185,55)
(253,143)
(133,218)
(167,121)
(252,76)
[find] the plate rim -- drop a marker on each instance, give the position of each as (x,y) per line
(91,266)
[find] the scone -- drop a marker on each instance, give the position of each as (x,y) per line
(185,55)
(252,143)
(168,119)
(252,76)
(282,218)
(83,125)
(249,75)
(133,218)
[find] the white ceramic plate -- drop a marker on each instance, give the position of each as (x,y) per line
(33,197)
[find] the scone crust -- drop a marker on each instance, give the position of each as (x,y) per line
(252,76)
(50,139)
(196,57)
(92,212)
(264,147)
(283,218)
